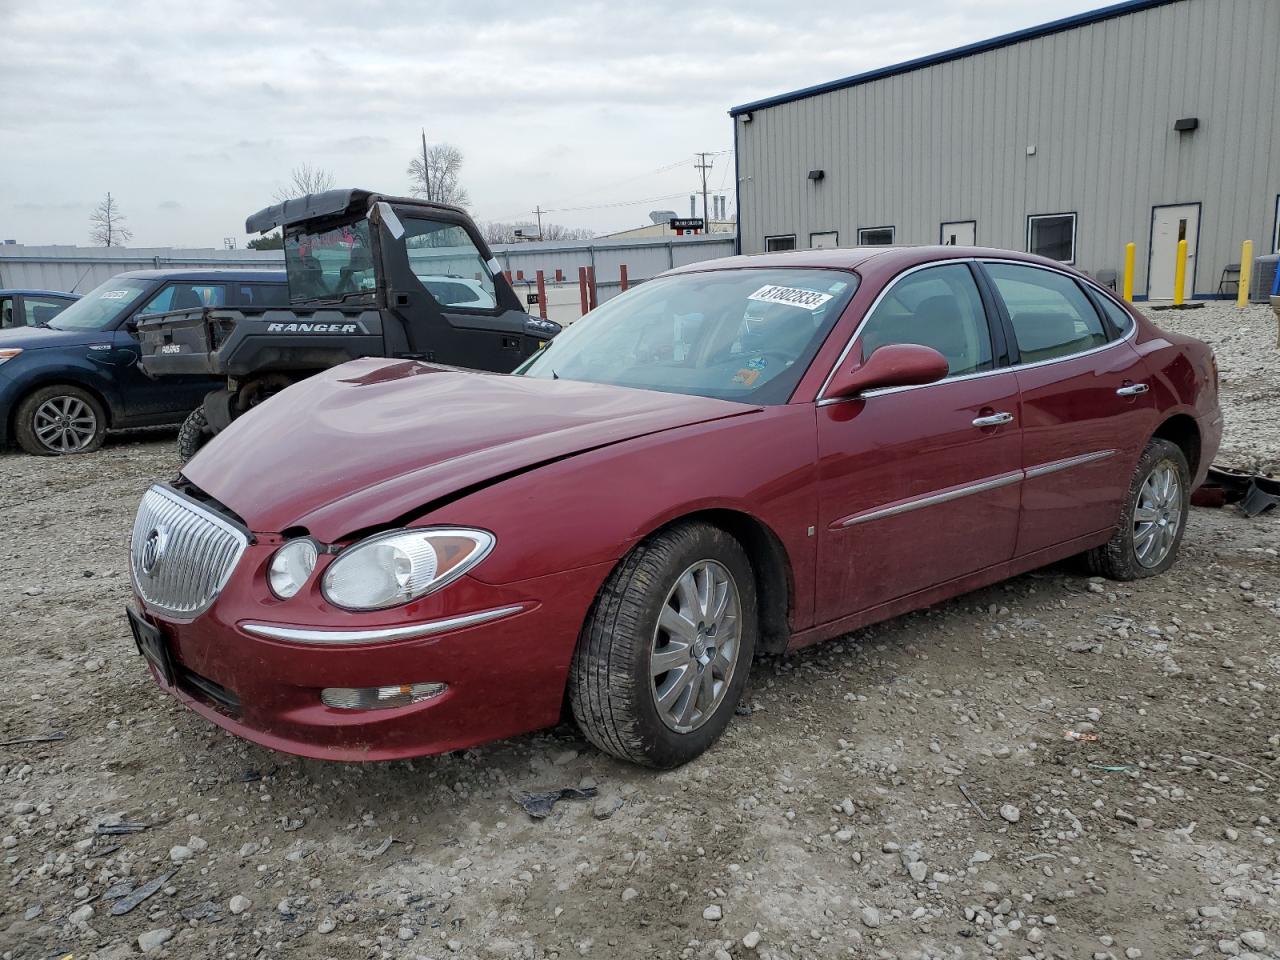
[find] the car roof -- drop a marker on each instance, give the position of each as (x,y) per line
(31,292)
(889,259)
(230,276)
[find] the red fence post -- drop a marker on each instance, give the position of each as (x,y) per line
(507,274)
(622,277)
(542,296)
(559,276)
(519,274)
(582,289)
(591,283)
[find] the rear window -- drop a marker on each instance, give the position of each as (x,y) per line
(264,295)
(1051,315)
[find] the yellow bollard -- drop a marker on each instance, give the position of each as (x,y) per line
(1180,273)
(1246,268)
(1130,251)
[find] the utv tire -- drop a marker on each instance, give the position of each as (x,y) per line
(193,434)
(59,420)
(667,647)
(1154,518)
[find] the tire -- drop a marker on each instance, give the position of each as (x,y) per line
(60,420)
(1141,547)
(613,689)
(193,434)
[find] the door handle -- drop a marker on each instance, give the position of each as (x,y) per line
(994,420)
(1132,390)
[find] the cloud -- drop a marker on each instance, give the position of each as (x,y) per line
(168,205)
(215,103)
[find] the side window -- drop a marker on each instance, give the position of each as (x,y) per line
(6,313)
(260,295)
(448,264)
(186,296)
(1118,316)
(1051,315)
(40,310)
(938,307)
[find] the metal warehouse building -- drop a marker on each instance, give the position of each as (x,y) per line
(1146,121)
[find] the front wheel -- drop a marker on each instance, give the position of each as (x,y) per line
(665,652)
(194,433)
(1150,532)
(59,420)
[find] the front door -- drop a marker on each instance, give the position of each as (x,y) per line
(1087,409)
(1169,225)
(919,485)
(959,233)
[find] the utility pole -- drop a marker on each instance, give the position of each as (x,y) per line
(704,166)
(538,211)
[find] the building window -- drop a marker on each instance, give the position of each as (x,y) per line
(825,240)
(1052,235)
(787,242)
(875,236)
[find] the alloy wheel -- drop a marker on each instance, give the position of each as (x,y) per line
(65,424)
(1158,514)
(696,645)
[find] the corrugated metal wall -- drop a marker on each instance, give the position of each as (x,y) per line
(80,269)
(949,142)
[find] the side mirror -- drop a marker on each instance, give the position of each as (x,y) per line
(893,365)
(131,326)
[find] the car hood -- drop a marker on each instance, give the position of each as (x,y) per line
(375,441)
(33,338)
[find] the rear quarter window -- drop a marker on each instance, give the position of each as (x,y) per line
(1119,317)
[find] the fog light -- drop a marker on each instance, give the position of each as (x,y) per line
(380,698)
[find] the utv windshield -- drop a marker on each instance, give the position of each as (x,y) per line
(329,264)
(744,335)
(102,306)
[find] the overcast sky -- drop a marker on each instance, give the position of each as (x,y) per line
(193,113)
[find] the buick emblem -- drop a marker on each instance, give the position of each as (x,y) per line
(153,549)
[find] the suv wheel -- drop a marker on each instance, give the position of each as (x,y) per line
(666,650)
(58,420)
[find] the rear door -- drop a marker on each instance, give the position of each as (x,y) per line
(165,399)
(919,485)
(1086,409)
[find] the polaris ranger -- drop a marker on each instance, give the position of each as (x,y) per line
(369,275)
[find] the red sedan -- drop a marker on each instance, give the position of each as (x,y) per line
(744,456)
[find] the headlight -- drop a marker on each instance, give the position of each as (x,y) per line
(291,568)
(9,353)
(393,568)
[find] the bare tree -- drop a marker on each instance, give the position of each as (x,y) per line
(108,228)
(434,174)
(499,232)
(304,179)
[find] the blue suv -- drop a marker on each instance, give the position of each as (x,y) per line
(65,382)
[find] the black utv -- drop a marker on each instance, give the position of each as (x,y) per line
(369,275)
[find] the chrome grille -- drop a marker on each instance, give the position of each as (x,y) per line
(181,555)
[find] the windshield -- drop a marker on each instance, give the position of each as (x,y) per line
(742,335)
(102,306)
(329,264)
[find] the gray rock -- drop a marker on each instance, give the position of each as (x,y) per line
(180,854)
(81,914)
(1254,940)
(751,940)
(153,940)
(326,925)
(239,904)
(712,913)
(918,870)
(871,917)
(1011,813)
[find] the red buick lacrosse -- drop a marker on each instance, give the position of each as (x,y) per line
(739,457)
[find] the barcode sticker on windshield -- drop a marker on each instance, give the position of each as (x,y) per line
(114,294)
(791,296)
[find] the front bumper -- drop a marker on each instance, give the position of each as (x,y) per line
(506,675)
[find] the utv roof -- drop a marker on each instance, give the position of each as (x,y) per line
(326,204)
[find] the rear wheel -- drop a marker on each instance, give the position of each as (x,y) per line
(59,420)
(194,433)
(667,647)
(1150,532)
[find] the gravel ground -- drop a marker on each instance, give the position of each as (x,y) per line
(905,792)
